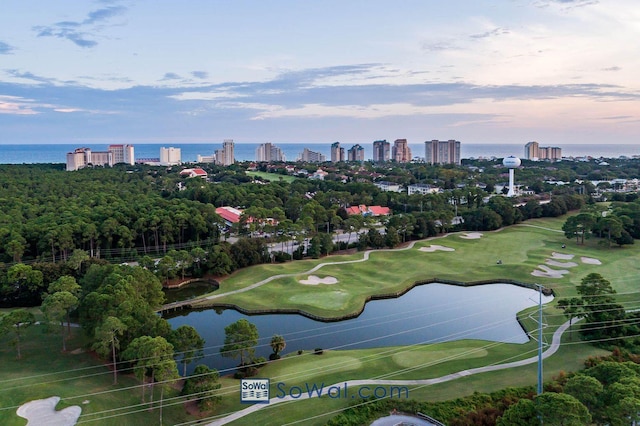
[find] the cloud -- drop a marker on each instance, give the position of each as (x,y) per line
(492,33)
(567,4)
(73,31)
(200,74)
(5,49)
(614,68)
(171,76)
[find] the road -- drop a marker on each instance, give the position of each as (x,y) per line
(552,349)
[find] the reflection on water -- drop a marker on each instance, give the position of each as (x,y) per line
(189,291)
(426,314)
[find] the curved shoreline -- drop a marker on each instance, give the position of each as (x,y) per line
(380,296)
(203,302)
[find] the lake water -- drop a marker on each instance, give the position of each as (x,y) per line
(426,314)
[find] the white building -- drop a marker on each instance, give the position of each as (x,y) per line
(170,156)
(83,157)
(225,156)
(422,188)
(386,186)
(267,152)
(122,154)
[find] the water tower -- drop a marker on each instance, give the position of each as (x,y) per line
(511,162)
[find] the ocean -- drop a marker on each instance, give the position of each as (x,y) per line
(32,154)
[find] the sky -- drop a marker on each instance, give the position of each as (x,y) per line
(200,71)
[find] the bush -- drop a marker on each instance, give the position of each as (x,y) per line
(300,352)
(281,257)
(273,357)
(318,351)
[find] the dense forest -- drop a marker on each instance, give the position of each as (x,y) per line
(53,220)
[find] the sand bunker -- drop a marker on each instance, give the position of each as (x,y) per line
(562,256)
(435,247)
(43,412)
(545,271)
(315,280)
(590,261)
(471,235)
(552,262)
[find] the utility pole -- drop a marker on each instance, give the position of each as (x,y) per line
(539,338)
(539,349)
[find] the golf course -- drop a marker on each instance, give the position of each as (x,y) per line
(339,286)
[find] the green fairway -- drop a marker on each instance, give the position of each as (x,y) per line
(522,249)
(272,177)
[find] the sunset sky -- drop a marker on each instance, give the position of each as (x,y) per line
(509,71)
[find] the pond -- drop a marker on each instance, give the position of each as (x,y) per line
(188,291)
(427,314)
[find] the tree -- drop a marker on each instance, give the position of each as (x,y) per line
(59,305)
(107,342)
(240,340)
(600,308)
(585,389)
(151,357)
(549,408)
(187,342)
(571,307)
(277,344)
(202,384)
(16,321)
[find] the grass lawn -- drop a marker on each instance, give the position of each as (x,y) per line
(272,177)
(77,378)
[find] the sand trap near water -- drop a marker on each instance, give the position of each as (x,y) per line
(315,280)
(546,272)
(43,412)
(471,235)
(435,247)
(590,261)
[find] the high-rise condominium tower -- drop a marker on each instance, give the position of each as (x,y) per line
(381,150)
(401,151)
(355,153)
(442,152)
(225,156)
(170,156)
(337,153)
(267,152)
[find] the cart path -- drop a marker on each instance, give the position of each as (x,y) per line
(552,349)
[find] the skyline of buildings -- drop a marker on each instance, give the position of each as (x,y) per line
(436,152)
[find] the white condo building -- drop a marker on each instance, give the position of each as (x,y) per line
(225,156)
(267,152)
(122,154)
(170,156)
(83,157)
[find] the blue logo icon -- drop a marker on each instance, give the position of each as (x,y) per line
(254,391)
